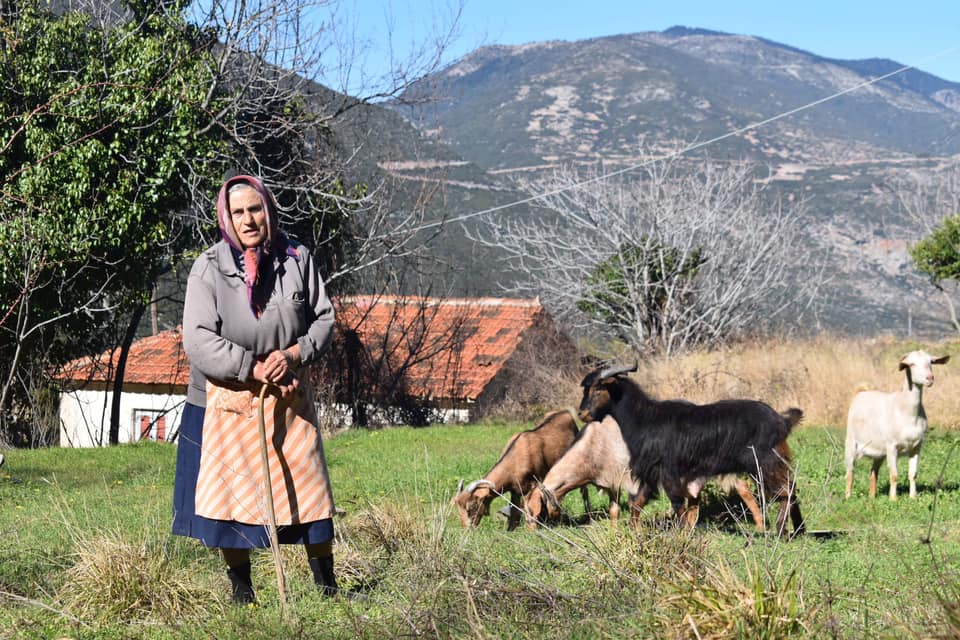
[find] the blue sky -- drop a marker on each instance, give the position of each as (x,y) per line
(924,33)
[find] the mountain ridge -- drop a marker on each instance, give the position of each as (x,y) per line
(522,110)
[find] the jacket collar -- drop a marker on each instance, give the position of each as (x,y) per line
(228,264)
(225,261)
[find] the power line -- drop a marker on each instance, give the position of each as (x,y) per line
(692,147)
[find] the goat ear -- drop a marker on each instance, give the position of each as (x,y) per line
(903,365)
(532,499)
(941,360)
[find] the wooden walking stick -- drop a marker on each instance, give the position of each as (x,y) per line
(271,511)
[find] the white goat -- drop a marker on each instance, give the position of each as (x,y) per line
(599,457)
(881,424)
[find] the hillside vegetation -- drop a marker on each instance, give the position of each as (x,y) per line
(620,101)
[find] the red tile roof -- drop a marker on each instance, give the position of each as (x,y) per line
(464,343)
(472,338)
(155,360)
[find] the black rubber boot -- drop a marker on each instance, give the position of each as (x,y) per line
(323,574)
(241,584)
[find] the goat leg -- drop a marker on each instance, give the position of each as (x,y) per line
(799,527)
(892,468)
(637,503)
(513,520)
(747,496)
(614,510)
(692,512)
(914,459)
(874,470)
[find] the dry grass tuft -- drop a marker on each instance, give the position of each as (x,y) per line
(388,526)
(718,603)
(819,375)
(117,580)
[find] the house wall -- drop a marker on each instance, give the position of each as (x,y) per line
(339,416)
(85,415)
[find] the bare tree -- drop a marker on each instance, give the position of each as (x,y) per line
(392,352)
(664,258)
(32,338)
(266,93)
(929,196)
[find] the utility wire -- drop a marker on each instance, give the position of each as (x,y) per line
(692,147)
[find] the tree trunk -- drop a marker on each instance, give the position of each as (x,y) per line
(355,381)
(155,311)
(128,337)
(952,308)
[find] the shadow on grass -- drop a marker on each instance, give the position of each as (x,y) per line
(727,515)
(932,487)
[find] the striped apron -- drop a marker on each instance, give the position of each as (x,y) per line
(230,485)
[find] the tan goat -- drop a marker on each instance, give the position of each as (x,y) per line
(600,457)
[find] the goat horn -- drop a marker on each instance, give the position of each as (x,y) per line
(612,371)
(476,483)
(460,485)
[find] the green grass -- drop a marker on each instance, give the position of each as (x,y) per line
(85,552)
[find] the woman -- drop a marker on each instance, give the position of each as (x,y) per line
(255,312)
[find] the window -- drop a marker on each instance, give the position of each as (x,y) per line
(151,425)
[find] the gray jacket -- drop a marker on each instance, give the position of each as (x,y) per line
(222,337)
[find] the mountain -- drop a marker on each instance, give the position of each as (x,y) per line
(508,108)
(519,110)
(380,147)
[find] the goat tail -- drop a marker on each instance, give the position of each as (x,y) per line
(792,416)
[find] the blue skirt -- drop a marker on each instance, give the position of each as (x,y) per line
(224,533)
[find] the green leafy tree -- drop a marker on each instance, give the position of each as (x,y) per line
(117,124)
(97,125)
(938,256)
(642,281)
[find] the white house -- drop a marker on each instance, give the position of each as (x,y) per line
(154,391)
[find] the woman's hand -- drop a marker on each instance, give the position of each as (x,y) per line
(277,368)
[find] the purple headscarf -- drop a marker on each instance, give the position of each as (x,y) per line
(276,242)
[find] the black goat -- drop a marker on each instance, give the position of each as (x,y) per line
(675,444)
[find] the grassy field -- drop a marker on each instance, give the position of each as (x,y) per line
(85,552)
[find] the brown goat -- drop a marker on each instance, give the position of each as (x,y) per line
(524,462)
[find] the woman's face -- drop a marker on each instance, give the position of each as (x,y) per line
(249,217)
